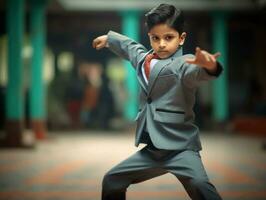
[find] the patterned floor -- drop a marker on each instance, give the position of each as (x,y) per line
(71,165)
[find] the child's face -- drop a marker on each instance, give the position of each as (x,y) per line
(165,40)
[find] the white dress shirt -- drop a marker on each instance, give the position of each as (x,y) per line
(153,62)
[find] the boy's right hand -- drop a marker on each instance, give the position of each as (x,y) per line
(100,42)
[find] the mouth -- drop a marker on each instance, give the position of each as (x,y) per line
(162,51)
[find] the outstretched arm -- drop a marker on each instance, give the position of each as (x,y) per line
(201,67)
(205,59)
(122,46)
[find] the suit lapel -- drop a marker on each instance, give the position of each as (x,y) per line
(155,71)
(159,67)
(141,80)
(140,77)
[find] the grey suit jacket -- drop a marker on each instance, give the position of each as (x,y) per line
(166,102)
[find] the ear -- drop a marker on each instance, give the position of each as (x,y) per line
(182,38)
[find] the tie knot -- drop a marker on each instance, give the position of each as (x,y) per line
(151,56)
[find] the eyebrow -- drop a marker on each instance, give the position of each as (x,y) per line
(169,33)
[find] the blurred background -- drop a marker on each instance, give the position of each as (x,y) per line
(52,79)
(55,87)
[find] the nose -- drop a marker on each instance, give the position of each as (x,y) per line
(162,44)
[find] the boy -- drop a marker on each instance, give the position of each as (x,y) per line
(168,83)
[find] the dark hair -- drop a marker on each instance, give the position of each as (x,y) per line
(165,13)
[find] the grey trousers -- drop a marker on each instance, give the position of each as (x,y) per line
(151,162)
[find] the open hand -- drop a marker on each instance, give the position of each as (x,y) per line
(100,42)
(204,59)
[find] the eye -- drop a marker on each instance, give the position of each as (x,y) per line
(154,38)
(169,37)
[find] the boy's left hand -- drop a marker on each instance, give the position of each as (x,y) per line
(204,59)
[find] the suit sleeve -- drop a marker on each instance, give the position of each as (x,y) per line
(126,47)
(194,75)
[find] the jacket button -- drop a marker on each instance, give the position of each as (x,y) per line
(149,100)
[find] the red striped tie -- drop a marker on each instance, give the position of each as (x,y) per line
(147,63)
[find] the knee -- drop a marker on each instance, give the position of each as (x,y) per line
(112,184)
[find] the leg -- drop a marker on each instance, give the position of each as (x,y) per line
(199,189)
(137,168)
(188,168)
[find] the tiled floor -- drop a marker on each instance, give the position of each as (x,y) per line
(70,166)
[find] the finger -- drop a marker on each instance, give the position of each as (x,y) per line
(94,43)
(200,54)
(206,56)
(99,46)
(216,55)
(213,59)
(97,41)
(197,51)
(190,60)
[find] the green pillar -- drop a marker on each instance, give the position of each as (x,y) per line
(220,87)
(37,89)
(130,28)
(14,94)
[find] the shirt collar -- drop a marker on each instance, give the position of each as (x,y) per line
(178,53)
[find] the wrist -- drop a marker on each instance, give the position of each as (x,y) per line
(212,68)
(216,71)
